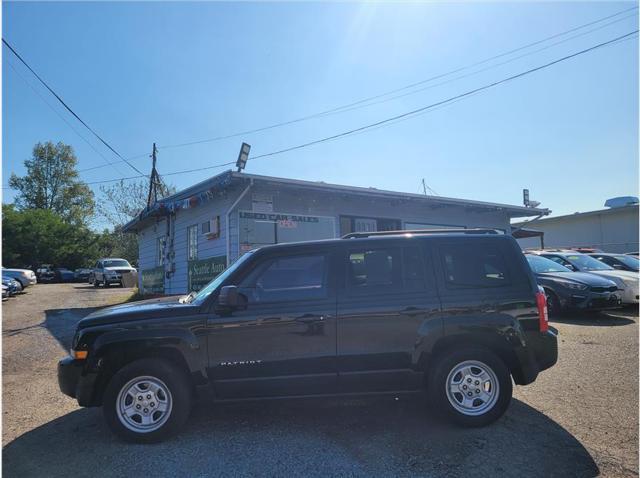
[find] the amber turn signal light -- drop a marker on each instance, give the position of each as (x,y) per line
(79,354)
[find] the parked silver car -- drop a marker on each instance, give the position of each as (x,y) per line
(26,277)
(109,271)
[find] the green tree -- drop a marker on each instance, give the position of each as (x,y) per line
(40,236)
(52,183)
(119,204)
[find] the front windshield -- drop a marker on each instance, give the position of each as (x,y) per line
(201,296)
(629,261)
(540,265)
(587,263)
(116,263)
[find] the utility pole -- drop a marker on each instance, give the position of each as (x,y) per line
(424,187)
(154,179)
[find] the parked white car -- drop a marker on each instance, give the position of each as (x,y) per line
(109,271)
(26,277)
(627,281)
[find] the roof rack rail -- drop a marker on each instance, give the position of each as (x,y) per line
(420,232)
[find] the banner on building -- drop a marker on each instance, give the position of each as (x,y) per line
(201,272)
(153,281)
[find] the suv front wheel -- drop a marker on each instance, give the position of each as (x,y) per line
(472,386)
(147,401)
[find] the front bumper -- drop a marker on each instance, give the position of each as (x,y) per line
(589,300)
(630,295)
(74,383)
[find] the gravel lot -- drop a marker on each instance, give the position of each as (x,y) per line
(579,419)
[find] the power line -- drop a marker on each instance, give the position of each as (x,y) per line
(366,102)
(482,70)
(448,100)
(350,106)
(67,107)
(109,163)
(408,114)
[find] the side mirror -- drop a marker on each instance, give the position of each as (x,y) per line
(230,299)
(570,267)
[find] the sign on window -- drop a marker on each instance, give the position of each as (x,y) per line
(201,272)
(153,281)
(259,229)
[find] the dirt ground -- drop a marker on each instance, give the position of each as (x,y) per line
(579,418)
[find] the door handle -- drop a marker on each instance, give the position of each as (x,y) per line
(309,318)
(412,311)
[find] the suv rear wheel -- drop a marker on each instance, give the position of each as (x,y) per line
(472,386)
(147,401)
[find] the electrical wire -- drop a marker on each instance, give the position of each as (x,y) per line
(408,114)
(369,101)
(109,163)
(67,106)
(354,105)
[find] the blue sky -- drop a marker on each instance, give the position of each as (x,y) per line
(179,72)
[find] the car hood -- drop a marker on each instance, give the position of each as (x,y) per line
(626,275)
(21,271)
(582,277)
(144,309)
(119,268)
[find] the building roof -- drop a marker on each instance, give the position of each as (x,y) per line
(575,215)
(205,189)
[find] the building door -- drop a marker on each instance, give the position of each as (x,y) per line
(284,343)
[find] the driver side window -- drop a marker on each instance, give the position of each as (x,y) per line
(560,261)
(289,278)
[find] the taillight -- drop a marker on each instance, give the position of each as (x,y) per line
(543,314)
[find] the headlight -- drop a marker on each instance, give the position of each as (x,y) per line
(573,285)
(619,282)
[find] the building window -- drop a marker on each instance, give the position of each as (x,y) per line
(414,226)
(350,224)
(259,229)
(160,242)
(192,242)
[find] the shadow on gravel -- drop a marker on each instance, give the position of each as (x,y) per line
(599,319)
(312,437)
(61,323)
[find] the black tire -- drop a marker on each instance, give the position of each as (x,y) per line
(554,308)
(437,385)
(96,283)
(180,392)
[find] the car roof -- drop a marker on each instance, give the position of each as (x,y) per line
(558,252)
(609,254)
(400,236)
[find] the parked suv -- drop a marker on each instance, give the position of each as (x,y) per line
(109,271)
(455,314)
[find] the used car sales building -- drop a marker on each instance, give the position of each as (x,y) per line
(185,240)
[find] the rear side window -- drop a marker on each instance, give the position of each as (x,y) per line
(374,268)
(473,265)
(287,278)
(385,269)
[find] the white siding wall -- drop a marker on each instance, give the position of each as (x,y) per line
(614,230)
(295,201)
(147,247)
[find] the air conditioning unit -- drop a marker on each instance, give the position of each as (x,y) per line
(211,228)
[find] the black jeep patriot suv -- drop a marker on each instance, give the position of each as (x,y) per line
(458,314)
